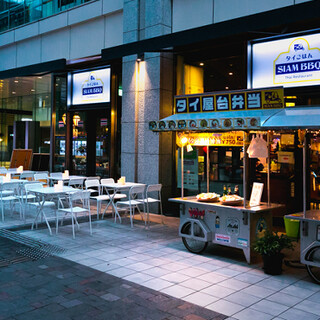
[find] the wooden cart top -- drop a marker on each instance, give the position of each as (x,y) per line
(262,207)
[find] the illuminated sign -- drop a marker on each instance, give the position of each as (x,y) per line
(230,101)
(91,87)
(289,62)
(226,139)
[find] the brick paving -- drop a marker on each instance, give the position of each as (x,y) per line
(56,288)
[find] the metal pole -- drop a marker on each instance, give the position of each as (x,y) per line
(244,168)
(208,167)
(268,165)
(182,182)
(304,176)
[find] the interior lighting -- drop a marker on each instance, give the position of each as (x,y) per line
(201,64)
(64,117)
(39,77)
(32,90)
(13,92)
(26,119)
(230,73)
(227,88)
(184,140)
(76,118)
(16,81)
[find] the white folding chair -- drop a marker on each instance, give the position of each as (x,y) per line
(25,197)
(42,177)
(38,204)
(74,210)
(27,176)
(90,184)
(9,192)
(111,193)
(153,195)
(136,198)
(76,183)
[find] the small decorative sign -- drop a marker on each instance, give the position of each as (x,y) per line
(242,242)
(233,226)
(256,194)
(222,238)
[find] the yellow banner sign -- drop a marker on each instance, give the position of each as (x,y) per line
(253,99)
(226,139)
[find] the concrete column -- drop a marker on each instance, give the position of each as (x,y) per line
(147,95)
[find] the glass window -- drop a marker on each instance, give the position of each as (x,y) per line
(33,10)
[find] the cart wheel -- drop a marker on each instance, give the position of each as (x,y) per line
(313,255)
(194,246)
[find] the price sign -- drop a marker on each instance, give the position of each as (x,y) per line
(256,194)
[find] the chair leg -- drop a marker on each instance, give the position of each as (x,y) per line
(73,233)
(131,215)
(90,226)
(57,222)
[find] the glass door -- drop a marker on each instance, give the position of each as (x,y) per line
(91,143)
(102,144)
(79,142)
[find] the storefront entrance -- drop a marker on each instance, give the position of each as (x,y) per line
(91,142)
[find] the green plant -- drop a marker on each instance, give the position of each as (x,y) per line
(272,244)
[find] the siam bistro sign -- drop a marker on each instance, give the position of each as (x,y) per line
(230,101)
(288,62)
(91,87)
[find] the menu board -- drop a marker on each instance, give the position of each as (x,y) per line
(256,194)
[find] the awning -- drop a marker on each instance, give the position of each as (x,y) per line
(214,121)
(35,69)
(303,117)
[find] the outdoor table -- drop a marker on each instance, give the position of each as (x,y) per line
(44,194)
(232,226)
(117,187)
(66,179)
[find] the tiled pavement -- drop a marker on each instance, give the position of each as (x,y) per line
(55,288)
(219,280)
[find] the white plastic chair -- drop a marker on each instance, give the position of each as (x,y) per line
(136,198)
(110,192)
(153,195)
(100,197)
(74,210)
(8,194)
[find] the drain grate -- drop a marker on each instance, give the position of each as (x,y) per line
(17,248)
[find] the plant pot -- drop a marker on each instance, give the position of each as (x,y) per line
(272,264)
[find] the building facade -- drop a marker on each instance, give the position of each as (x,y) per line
(154,51)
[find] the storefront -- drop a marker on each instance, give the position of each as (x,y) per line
(70,116)
(87,136)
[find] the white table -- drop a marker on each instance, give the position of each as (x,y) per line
(117,187)
(66,179)
(44,194)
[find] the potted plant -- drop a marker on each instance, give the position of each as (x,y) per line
(270,247)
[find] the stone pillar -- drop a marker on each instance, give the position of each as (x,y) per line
(147,95)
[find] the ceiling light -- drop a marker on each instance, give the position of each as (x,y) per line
(16,81)
(39,77)
(230,73)
(13,92)
(32,90)
(227,88)
(26,119)
(201,64)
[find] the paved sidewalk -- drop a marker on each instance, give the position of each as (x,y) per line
(55,288)
(219,280)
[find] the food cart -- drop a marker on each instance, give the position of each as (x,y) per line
(307,121)
(235,223)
